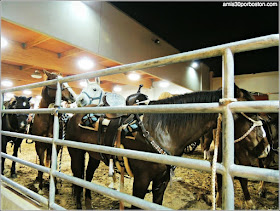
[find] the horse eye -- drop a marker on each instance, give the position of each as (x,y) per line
(94,89)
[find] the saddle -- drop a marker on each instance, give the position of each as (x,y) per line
(109,124)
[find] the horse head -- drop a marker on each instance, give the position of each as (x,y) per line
(18,121)
(66,91)
(91,94)
(249,129)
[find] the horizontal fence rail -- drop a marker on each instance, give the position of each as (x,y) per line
(228,169)
(240,106)
(272,175)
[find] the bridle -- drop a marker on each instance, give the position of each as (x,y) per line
(255,124)
(93,98)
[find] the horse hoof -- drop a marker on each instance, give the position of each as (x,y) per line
(79,206)
(13,176)
(88,204)
(249,205)
(36,186)
(41,192)
(262,194)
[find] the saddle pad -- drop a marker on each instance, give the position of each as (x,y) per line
(91,122)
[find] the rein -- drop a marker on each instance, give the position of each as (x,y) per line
(93,98)
(255,124)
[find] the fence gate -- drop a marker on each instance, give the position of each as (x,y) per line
(228,169)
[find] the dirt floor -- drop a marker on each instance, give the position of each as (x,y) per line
(188,190)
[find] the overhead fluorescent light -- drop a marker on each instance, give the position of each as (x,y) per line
(133,76)
(85,63)
(27,92)
(4,42)
(117,88)
(164,84)
(83,83)
(7,83)
(194,65)
(36,74)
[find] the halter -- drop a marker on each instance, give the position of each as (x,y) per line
(93,98)
(255,124)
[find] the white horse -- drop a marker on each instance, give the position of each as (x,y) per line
(91,94)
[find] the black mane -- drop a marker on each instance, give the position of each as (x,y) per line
(174,121)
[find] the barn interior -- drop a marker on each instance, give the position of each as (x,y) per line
(74,37)
(99,34)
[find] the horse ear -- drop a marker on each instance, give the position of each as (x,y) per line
(47,72)
(237,92)
(97,80)
(29,98)
(88,82)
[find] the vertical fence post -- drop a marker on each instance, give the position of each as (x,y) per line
(228,130)
(54,151)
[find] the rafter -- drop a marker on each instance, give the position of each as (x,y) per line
(48,60)
(37,41)
(71,52)
(26,67)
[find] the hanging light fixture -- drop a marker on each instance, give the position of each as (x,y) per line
(36,74)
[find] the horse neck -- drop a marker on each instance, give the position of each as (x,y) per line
(46,99)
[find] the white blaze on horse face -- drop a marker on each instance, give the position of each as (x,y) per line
(22,124)
(24,104)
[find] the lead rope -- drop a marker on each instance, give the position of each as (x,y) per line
(213,181)
(64,118)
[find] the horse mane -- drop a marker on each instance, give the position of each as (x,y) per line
(173,121)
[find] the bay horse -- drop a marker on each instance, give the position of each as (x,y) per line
(14,123)
(43,123)
(173,132)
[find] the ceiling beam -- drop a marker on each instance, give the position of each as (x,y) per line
(71,52)
(26,67)
(37,41)
(48,60)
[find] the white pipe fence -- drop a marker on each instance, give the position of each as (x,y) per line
(228,169)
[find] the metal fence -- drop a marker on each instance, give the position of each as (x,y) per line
(228,169)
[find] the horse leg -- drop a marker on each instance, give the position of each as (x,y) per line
(77,167)
(242,159)
(4,149)
(17,144)
(41,154)
(91,167)
(159,187)
(140,186)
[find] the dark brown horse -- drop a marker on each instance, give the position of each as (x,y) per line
(172,132)
(43,123)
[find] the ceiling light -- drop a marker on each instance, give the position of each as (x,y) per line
(194,64)
(117,88)
(7,83)
(134,76)
(36,74)
(164,84)
(4,42)
(85,63)
(83,83)
(27,92)
(9,95)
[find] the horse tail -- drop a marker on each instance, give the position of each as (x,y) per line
(48,157)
